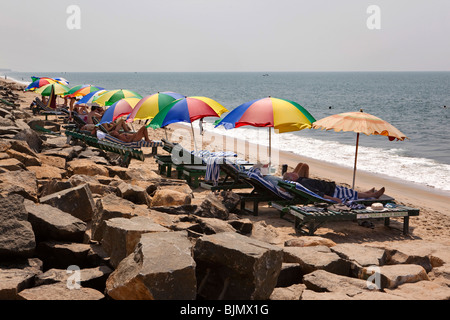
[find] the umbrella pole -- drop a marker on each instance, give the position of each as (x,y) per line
(270,147)
(193,137)
(356,159)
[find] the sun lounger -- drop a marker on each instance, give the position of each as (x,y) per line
(312,210)
(127,151)
(263,191)
(42,109)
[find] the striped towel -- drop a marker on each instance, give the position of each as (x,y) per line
(256,175)
(213,164)
(134,145)
(300,187)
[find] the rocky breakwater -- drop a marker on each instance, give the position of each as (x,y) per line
(75,226)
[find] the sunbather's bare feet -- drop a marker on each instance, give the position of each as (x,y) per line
(379,193)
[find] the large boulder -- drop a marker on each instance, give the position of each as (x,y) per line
(392,276)
(168,198)
(160,268)
(16,233)
(60,291)
(77,201)
(19,182)
(212,207)
(236,267)
(112,206)
(121,235)
(87,167)
(316,258)
(51,223)
(15,277)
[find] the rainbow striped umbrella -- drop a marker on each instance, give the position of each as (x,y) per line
(151,105)
(88,99)
(85,90)
(280,114)
(359,122)
(110,97)
(59,89)
(187,110)
(38,83)
(120,108)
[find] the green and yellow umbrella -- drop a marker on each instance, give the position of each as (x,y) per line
(59,89)
(112,96)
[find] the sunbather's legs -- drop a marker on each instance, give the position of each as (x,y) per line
(374,194)
(302,170)
(142,133)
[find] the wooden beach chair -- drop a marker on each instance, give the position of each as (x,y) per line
(127,151)
(263,191)
(42,109)
(312,211)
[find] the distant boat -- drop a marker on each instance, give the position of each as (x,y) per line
(265,75)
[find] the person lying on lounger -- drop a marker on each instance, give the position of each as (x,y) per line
(142,133)
(326,189)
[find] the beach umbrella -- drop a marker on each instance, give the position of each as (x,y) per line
(359,122)
(280,114)
(187,109)
(119,109)
(151,105)
(85,90)
(110,97)
(59,89)
(88,99)
(38,83)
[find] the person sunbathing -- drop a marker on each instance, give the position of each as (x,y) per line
(328,189)
(142,133)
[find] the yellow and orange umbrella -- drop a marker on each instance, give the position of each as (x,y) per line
(359,122)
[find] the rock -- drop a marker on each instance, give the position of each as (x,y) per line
(394,275)
(121,235)
(161,268)
(93,183)
(11,164)
(120,172)
(316,258)
(94,278)
(47,172)
(360,256)
(31,138)
(177,210)
(16,233)
(112,206)
(48,187)
(77,201)
(61,255)
(293,292)
(324,281)
(309,241)
(133,193)
(19,182)
(266,233)
(233,266)
(230,200)
(15,277)
(57,162)
(60,291)
(167,198)
(208,225)
(243,226)
(87,167)
(291,273)
(51,223)
(212,207)
(422,290)
(68,153)
(26,159)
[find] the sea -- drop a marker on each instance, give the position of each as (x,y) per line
(416,103)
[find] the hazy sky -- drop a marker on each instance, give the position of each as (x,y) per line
(225,35)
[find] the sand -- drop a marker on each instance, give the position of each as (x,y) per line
(432,225)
